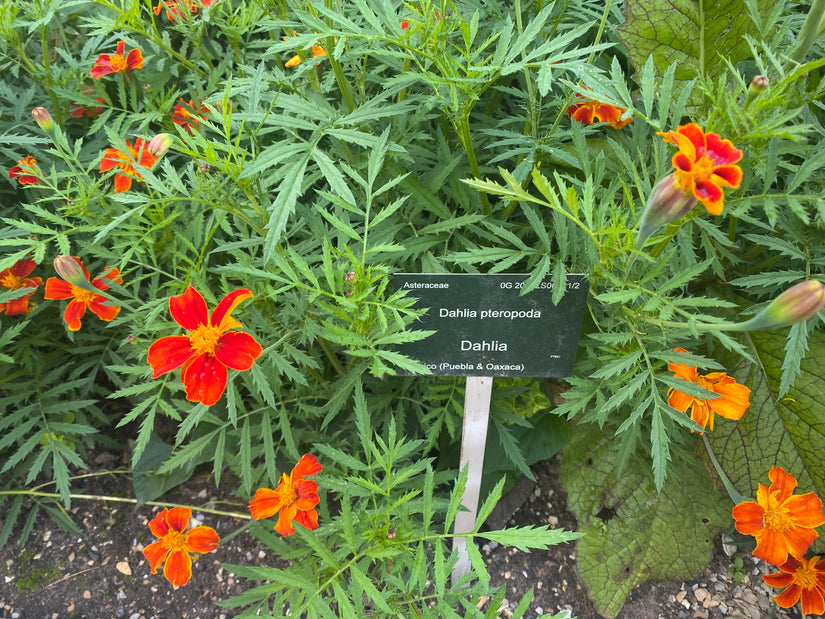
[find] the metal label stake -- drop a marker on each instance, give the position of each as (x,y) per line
(477,395)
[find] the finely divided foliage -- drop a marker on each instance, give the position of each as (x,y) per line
(423,136)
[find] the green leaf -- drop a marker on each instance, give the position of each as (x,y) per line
(695,35)
(776,431)
(633,533)
(530,537)
(148,484)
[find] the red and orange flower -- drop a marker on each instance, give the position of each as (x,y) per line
(82,296)
(210,347)
(294,499)
(181,9)
(15,278)
(732,402)
(587,111)
(138,155)
(805,580)
(175,544)
(78,110)
(26,171)
(704,165)
(782,523)
(187,115)
(119,62)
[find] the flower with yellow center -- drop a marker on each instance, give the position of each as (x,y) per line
(139,155)
(15,278)
(805,580)
(81,297)
(294,499)
(732,401)
(175,544)
(210,347)
(782,523)
(119,62)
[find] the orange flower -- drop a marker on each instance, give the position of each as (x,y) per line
(182,9)
(82,297)
(732,402)
(25,171)
(210,347)
(117,62)
(317,51)
(138,154)
(587,110)
(187,116)
(15,278)
(782,523)
(704,164)
(295,498)
(175,544)
(804,578)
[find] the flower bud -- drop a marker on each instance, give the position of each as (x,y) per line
(68,267)
(758,84)
(797,303)
(667,202)
(159,144)
(43,119)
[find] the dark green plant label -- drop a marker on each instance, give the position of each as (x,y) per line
(485,327)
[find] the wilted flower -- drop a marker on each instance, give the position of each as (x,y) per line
(43,119)
(25,171)
(15,278)
(210,347)
(138,154)
(782,523)
(295,498)
(732,402)
(805,580)
(119,62)
(175,544)
(799,302)
(82,296)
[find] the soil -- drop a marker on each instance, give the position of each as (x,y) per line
(103,574)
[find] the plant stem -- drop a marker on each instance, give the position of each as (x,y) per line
(733,493)
(809,32)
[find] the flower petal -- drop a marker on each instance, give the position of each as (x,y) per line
(57,290)
(122,183)
(789,596)
(782,483)
(73,313)
(694,133)
(158,525)
(584,114)
(220,317)
(721,151)
(189,309)
(734,400)
(169,353)
(680,401)
(307,465)
(204,378)
(237,350)
(202,540)
(99,307)
(748,516)
(285,517)
(812,602)
(178,518)
(134,59)
(727,175)
(265,504)
(805,510)
(307,519)
(24,267)
(155,554)
(178,568)
(778,580)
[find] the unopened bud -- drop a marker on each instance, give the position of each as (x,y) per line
(667,202)
(759,83)
(797,303)
(159,144)
(350,276)
(203,167)
(68,267)
(43,119)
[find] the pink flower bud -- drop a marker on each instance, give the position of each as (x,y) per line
(797,303)
(667,202)
(759,83)
(43,119)
(68,267)
(350,276)
(159,144)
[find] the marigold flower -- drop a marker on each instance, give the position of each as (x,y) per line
(119,62)
(732,402)
(587,111)
(175,544)
(704,164)
(138,153)
(25,171)
(295,498)
(78,110)
(805,579)
(210,347)
(782,523)
(15,278)
(317,51)
(181,9)
(187,115)
(82,298)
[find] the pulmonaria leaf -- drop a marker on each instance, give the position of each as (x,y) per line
(774,431)
(695,35)
(632,533)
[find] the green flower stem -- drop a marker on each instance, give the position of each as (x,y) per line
(698,326)
(462,127)
(733,493)
(118,499)
(810,30)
